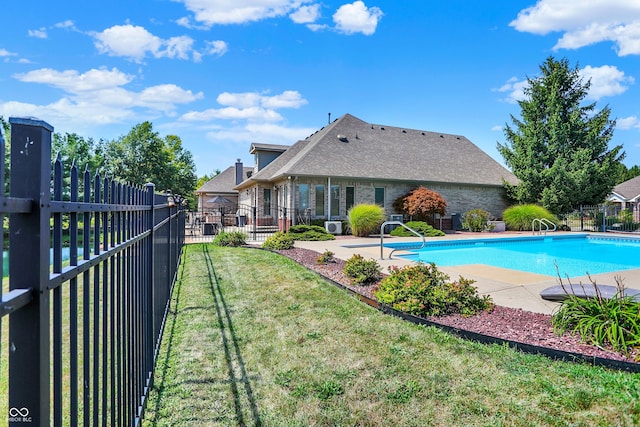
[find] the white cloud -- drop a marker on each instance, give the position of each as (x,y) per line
(514,89)
(357,18)
(212,12)
(5,53)
(585,23)
(40,33)
(216,47)
(97,97)
(267,133)
(66,25)
(287,99)
(135,42)
(497,128)
(606,80)
(250,106)
(631,122)
(306,14)
(129,41)
(73,82)
(232,113)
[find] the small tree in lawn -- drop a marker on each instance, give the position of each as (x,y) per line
(421,203)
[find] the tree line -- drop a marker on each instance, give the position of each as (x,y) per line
(139,157)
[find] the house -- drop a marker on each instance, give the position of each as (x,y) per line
(627,195)
(350,161)
(217,196)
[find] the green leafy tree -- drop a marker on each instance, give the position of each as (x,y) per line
(86,153)
(559,149)
(143,156)
(629,173)
(205,178)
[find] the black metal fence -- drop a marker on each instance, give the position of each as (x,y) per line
(84,328)
(602,218)
(251,220)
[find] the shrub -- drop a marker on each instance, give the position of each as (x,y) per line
(519,217)
(419,226)
(325,257)
(365,219)
(233,238)
(601,321)
(423,290)
(475,220)
(362,271)
(279,241)
(310,233)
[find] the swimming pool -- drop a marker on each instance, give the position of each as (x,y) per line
(575,255)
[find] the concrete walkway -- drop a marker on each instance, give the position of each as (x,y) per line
(508,288)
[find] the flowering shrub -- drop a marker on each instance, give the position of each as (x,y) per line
(423,290)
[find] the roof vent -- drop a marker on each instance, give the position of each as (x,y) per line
(441,136)
(381,128)
(423,133)
(343,138)
(404,131)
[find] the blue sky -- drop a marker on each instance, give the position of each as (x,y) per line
(222,74)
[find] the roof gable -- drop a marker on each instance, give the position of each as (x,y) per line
(224,182)
(629,189)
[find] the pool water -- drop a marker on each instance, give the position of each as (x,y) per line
(573,255)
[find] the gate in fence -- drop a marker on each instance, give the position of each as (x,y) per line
(83,332)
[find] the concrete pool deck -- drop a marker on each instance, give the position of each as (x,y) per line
(508,288)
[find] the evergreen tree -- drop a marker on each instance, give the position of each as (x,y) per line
(559,149)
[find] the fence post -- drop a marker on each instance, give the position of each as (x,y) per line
(29,239)
(151,341)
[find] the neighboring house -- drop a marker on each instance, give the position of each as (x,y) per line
(627,194)
(218,193)
(350,161)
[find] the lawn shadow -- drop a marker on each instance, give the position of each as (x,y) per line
(231,347)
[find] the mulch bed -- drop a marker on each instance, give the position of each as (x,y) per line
(503,322)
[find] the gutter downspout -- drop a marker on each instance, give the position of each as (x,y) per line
(329,198)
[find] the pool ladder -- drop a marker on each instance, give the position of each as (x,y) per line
(542,222)
(384,224)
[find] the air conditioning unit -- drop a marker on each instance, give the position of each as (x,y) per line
(394,218)
(333,227)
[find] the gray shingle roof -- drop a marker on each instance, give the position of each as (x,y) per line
(352,148)
(630,189)
(223,182)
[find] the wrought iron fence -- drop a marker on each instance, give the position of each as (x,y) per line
(602,218)
(84,330)
(204,224)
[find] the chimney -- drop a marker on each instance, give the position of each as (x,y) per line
(239,173)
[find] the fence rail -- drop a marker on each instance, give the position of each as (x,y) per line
(83,331)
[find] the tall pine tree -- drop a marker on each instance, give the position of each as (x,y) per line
(559,149)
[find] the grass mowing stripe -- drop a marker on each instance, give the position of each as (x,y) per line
(255,339)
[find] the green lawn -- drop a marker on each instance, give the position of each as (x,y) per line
(254,339)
